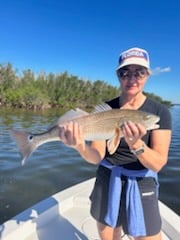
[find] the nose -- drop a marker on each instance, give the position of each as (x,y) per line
(132,77)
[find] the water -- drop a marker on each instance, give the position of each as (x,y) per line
(53,167)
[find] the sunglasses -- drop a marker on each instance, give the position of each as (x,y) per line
(139,73)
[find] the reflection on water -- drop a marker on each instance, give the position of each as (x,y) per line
(169,176)
(54,167)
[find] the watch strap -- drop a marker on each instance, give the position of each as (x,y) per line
(138,150)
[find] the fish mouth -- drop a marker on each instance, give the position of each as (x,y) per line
(152,126)
(155,126)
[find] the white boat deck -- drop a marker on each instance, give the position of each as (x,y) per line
(65,216)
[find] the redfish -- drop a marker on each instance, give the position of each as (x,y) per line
(102,124)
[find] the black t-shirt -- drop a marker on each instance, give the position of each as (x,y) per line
(123,156)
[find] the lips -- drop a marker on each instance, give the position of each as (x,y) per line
(134,85)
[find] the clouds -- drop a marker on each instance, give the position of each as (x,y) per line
(159,70)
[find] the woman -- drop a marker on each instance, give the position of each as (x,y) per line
(139,157)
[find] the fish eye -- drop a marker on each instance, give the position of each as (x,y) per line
(30,138)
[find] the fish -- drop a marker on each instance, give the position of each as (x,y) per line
(104,123)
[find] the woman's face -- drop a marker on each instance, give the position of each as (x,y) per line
(132,78)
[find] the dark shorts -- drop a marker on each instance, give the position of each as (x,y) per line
(148,192)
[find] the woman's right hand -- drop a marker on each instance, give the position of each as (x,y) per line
(71,135)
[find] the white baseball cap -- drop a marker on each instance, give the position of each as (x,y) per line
(135,56)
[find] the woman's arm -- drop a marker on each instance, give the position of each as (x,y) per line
(155,156)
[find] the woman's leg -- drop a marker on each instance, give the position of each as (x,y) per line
(108,233)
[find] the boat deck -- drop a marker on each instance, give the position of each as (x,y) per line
(65,216)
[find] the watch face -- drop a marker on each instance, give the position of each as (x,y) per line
(139,151)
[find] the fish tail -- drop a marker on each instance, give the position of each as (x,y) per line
(25,143)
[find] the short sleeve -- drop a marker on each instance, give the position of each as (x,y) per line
(165,118)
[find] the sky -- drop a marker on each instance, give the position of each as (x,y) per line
(85,38)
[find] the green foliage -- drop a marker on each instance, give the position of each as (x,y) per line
(52,90)
(158,99)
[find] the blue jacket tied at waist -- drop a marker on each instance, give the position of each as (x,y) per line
(134,210)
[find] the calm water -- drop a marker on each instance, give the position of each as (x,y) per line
(54,167)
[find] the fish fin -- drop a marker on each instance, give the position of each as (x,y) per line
(70,115)
(113,143)
(76,113)
(24,142)
(101,108)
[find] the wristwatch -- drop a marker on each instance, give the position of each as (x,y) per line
(138,150)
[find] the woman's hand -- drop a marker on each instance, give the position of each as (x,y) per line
(72,135)
(133,133)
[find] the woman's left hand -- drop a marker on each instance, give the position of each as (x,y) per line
(133,132)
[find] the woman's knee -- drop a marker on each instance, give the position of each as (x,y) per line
(108,233)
